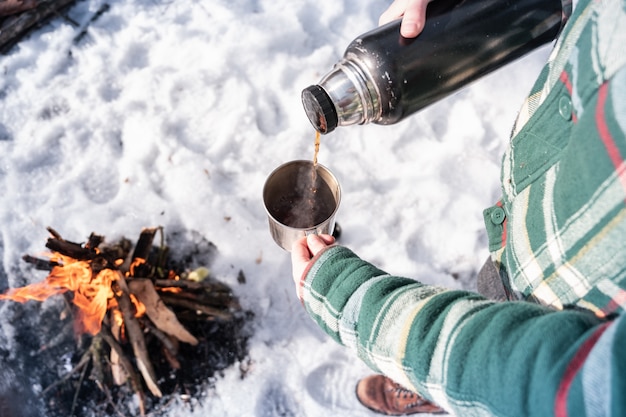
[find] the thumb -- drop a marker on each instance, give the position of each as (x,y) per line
(318,242)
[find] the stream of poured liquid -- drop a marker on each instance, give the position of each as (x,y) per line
(310,202)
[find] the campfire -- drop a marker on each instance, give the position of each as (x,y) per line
(133,308)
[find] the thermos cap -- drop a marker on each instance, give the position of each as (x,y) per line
(319,109)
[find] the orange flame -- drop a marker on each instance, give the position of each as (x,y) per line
(136,263)
(116,317)
(175,277)
(140,308)
(91,294)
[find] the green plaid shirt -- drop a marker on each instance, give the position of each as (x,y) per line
(559,233)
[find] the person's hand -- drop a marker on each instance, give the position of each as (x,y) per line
(303,250)
(412,12)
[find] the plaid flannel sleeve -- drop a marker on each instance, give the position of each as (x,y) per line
(470,355)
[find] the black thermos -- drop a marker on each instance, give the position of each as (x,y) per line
(384,77)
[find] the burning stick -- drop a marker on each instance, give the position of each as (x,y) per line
(136,338)
(128,367)
(162,317)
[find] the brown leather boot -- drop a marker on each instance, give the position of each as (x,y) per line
(381,394)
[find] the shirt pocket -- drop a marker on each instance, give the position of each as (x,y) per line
(538,146)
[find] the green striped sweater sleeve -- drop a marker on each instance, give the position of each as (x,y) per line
(468,354)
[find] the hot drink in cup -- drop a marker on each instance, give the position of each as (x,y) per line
(300,198)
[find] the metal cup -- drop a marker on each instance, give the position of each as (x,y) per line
(300,201)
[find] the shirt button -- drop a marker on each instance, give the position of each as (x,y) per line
(497,215)
(565,108)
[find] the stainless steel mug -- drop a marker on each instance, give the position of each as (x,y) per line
(299,201)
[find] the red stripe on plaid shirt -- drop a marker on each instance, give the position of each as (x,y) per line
(605,134)
(565,80)
(577,362)
(617,301)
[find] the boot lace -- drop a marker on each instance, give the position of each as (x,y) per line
(407,397)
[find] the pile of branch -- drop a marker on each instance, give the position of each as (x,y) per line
(142,280)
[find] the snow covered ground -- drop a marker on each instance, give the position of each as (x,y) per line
(172,113)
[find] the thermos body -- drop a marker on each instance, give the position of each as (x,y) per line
(384,77)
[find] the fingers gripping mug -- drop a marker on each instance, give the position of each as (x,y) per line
(300,200)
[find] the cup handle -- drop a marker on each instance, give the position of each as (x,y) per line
(310,232)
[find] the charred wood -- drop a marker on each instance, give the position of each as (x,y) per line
(213,299)
(41,264)
(173,300)
(71,249)
(143,247)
